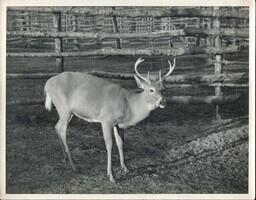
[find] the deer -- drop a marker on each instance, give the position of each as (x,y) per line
(96,99)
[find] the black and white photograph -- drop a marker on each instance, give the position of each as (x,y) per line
(145,100)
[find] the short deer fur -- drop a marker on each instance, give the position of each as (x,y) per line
(97,100)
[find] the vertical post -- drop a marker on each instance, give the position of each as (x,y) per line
(209,26)
(58,41)
(186,38)
(210,40)
(28,28)
(157,24)
(29,21)
(25,20)
(116,29)
(198,23)
(218,64)
(23,27)
(74,29)
(171,42)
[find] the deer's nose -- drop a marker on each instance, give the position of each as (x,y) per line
(162,103)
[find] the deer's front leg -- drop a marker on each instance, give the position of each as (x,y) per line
(107,134)
(119,135)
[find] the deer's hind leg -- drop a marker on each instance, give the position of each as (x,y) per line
(61,143)
(61,128)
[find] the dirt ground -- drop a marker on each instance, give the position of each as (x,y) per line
(164,155)
(179,149)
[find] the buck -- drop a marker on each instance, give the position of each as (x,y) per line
(97,100)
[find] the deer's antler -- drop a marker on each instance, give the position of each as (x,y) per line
(171,68)
(139,60)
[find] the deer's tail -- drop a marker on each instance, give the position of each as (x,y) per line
(48,100)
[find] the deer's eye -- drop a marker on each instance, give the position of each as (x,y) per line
(151,90)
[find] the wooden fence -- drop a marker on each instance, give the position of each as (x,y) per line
(213,32)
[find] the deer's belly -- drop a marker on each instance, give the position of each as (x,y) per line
(125,125)
(86,118)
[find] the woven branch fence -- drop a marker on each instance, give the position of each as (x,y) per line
(207,25)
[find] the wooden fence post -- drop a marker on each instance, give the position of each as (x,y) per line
(198,24)
(58,41)
(26,26)
(74,29)
(210,40)
(116,29)
(218,64)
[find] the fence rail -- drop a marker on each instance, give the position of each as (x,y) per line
(139,12)
(148,52)
(174,79)
(173,33)
(171,100)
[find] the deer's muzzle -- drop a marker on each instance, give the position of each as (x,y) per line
(162,103)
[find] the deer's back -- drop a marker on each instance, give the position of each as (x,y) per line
(87,96)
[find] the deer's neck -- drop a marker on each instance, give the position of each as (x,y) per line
(140,103)
(138,110)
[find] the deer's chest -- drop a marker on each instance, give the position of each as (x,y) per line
(133,117)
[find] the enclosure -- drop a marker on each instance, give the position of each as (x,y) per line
(197,144)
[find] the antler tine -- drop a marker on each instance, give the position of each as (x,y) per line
(139,60)
(171,67)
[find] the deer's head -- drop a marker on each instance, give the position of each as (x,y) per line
(152,88)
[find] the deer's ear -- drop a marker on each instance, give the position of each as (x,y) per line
(139,82)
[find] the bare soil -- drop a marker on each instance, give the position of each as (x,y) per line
(179,149)
(164,155)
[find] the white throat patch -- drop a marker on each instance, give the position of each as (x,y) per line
(152,106)
(161,106)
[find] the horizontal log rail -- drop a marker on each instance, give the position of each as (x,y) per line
(234,78)
(100,35)
(185,79)
(148,52)
(232,32)
(211,79)
(170,100)
(14,76)
(203,99)
(227,62)
(207,78)
(140,12)
(229,85)
(17,102)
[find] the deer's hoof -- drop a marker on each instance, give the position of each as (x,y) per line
(64,160)
(123,166)
(73,167)
(111,178)
(125,169)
